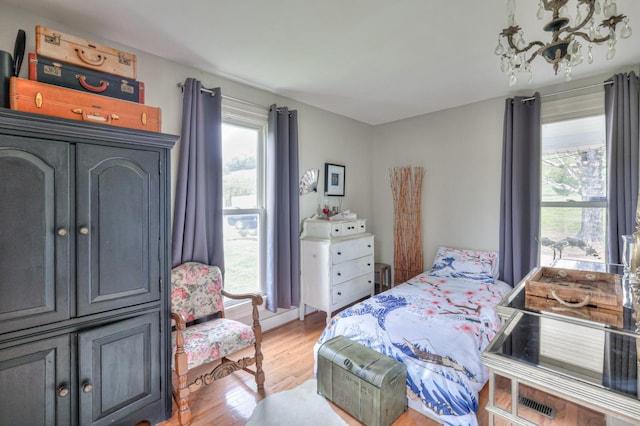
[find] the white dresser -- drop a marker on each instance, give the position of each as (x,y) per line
(337,264)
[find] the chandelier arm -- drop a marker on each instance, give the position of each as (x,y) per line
(526,49)
(586,37)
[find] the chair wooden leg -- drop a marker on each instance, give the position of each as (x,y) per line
(259,372)
(182,391)
(257,330)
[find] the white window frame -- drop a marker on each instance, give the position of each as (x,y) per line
(553,111)
(245,114)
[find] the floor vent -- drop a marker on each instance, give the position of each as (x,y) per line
(539,407)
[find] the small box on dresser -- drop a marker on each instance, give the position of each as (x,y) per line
(368,385)
(337,264)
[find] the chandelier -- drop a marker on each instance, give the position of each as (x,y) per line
(564,50)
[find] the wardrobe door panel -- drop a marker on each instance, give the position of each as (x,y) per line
(118,227)
(119,369)
(35,383)
(34,227)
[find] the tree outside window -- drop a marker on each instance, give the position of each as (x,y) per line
(574,199)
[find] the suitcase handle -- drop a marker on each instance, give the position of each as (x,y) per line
(94,62)
(95,117)
(96,89)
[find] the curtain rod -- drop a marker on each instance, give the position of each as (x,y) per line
(242,101)
(606,83)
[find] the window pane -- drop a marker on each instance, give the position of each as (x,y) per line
(572,233)
(242,208)
(242,253)
(240,159)
(574,160)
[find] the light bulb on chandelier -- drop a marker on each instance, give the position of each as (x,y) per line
(564,51)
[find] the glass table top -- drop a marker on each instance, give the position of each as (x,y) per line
(591,353)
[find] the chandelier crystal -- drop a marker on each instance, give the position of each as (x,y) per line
(568,33)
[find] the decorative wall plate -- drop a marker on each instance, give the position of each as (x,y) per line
(309,181)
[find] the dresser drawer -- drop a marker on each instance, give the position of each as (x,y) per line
(351,249)
(322,228)
(347,270)
(350,291)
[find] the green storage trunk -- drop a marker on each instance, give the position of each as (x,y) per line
(368,385)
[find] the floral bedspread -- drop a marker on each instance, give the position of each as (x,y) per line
(438,327)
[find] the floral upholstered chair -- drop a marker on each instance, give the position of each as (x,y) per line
(197,294)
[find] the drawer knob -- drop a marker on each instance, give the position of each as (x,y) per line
(63,232)
(63,391)
(339,253)
(339,293)
(87,387)
(84,230)
(369,245)
(339,273)
(368,264)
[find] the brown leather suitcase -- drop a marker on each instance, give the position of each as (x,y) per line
(47,99)
(85,53)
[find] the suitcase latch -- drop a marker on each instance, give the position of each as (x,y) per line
(54,70)
(52,39)
(123,59)
(126,88)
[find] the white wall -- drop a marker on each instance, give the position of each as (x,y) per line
(323,136)
(460,149)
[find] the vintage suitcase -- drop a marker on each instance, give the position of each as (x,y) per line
(600,289)
(49,71)
(84,53)
(42,98)
(593,296)
(368,385)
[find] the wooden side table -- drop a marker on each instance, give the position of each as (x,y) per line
(383,271)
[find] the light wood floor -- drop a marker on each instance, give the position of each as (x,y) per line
(288,362)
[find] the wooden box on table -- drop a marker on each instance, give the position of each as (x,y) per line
(594,296)
(368,385)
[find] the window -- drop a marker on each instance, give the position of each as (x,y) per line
(574,199)
(243,147)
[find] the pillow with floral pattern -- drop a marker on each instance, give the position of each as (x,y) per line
(460,263)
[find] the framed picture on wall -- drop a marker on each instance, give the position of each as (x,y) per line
(334,179)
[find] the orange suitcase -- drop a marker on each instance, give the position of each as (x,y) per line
(85,53)
(41,98)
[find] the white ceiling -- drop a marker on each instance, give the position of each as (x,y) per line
(372,60)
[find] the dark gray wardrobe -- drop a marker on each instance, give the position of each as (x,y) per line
(84,273)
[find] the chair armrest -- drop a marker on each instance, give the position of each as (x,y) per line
(180,323)
(256,299)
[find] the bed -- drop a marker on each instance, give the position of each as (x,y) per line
(437,323)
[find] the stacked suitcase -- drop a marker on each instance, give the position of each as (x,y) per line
(78,79)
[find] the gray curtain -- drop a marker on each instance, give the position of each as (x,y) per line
(197,221)
(520,194)
(621,111)
(283,212)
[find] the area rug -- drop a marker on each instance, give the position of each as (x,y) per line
(301,406)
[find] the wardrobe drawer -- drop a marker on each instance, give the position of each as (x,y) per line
(351,269)
(350,291)
(351,249)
